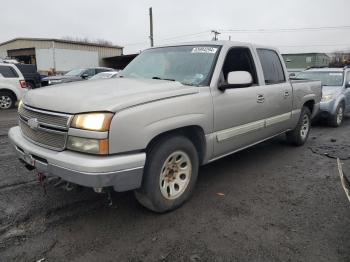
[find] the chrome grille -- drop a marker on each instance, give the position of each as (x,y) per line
(50,130)
(52,140)
(46,118)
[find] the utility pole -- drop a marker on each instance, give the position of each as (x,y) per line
(216,33)
(151,26)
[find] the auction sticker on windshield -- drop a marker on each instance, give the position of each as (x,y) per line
(204,50)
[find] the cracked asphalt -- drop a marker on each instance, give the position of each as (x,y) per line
(271,202)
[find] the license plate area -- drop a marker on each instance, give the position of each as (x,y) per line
(28,159)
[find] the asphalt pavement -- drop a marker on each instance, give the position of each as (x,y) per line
(271,202)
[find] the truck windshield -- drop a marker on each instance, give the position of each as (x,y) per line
(328,78)
(190,65)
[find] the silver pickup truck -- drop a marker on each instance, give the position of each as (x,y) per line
(172,109)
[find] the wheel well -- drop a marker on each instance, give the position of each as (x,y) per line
(310,104)
(9,91)
(194,133)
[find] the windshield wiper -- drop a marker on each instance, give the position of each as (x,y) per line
(159,78)
(189,84)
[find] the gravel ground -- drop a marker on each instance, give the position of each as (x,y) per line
(271,202)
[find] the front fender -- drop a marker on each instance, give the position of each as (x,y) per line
(132,129)
(331,106)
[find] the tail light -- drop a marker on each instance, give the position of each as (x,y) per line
(23,83)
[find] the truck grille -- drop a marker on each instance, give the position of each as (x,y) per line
(47,118)
(51,129)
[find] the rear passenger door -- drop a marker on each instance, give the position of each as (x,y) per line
(278,92)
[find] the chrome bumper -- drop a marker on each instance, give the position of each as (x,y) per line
(122,172)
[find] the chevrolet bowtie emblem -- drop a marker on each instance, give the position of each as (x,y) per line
(33,123)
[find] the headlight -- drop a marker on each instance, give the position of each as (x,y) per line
(20,104)
(55,81)
(326,98)
(87,145)
(92,121)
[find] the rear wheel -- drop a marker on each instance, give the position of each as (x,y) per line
(300,133)
(337,119)
(170,174)
(7,100)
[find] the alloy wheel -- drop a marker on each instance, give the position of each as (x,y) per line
(175,175)
(5,102)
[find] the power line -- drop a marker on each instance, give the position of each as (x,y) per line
(315,45)
(169,38)
(187,35)
(272,30)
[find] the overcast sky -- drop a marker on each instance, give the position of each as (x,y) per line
(126,23)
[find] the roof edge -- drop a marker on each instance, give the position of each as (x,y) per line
(60,41)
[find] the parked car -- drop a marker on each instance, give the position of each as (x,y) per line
(30,74)
(74,75)
(105,75)
(335,92)
(172,109)
(12,85)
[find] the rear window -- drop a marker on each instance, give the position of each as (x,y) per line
(26,69)
(272,66)
(8,72)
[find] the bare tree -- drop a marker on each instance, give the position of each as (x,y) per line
(88,41)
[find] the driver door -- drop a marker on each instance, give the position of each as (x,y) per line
(239,113)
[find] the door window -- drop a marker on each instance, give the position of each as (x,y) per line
(90,72)
(239,59)
(272,67)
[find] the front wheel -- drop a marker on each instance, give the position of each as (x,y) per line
(170,174)
(300,133)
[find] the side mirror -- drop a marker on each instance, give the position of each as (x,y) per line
(347,84)
(85,76)
(237,79)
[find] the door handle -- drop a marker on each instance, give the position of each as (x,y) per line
(260,99)
(286,93)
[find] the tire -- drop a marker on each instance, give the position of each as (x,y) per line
(170,174)
(337,119)
(300,133)
(7,100)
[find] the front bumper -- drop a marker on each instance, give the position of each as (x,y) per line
(327,109)
(122,172)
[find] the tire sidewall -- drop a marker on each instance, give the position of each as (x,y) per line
(335,117)
(154,163)
(305,111)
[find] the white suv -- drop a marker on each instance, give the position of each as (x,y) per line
(12,85)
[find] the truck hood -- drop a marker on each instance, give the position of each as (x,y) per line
(63,78)
(104,95)
(331,90)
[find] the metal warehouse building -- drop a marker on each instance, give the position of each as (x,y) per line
(60,55)
(306,60)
